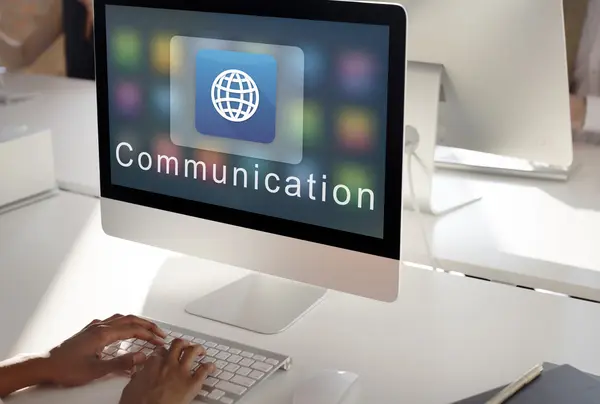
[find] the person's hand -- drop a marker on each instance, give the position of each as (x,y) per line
(168,376)
(578,112)
(89,23)
(77,361)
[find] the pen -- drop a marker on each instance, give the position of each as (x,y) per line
(516,386)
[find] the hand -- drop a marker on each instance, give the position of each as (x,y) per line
(578,112)
(168,378)
(77,361)
(89,23)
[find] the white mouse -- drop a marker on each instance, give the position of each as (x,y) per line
(328,387)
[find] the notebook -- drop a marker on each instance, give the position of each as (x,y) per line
(556,385)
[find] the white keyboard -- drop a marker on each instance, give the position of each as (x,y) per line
(239,368)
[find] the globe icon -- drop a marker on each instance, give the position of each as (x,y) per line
(235,95)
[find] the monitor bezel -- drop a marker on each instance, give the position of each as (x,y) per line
(391,15)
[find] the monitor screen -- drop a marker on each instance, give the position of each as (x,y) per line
(274,116)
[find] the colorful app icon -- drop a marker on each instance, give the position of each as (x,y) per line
(127,48)
(161,98)
(313,123)
(314,65)
(236,95)
(356,72)
(160,53)
(129,99)
(356,128)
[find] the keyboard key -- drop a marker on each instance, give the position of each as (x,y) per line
(226,375)
(246,362)
(111,350)
(256,375)
(216,394)
(244,371)
(150,345)
(220,364)
(211,382)
(211,352)
(210,344)
(263,367)
(135,348)
(244,381)
(232,367)
(203,393)
(187,338)
(231,388)
(259,358)
(222,355)
(235,351)
(246,354)
(169,339)
(139,342)
(199,341)
(208,359)
(222,347)
(234,359)
(216,373)
(227,400)
(176,334)
(147,351)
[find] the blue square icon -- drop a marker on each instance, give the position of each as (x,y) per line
(236,95)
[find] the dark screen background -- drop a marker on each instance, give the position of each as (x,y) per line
(345,111)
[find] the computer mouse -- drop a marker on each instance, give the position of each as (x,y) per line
(328,387)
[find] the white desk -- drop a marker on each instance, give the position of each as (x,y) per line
(532,233)
(446,337)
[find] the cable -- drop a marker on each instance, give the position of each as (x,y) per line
(411,153)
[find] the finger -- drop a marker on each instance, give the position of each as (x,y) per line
(177,347)
(190,354)
(149,325)
(120,364)
(110,334)
(202,373)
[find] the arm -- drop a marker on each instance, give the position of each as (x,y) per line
(15,376)
(77,361)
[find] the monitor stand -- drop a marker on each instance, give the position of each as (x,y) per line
(430,193)
(259,303)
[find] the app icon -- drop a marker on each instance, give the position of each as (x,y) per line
(161,97)
(314,65)
(160,53)
(236,95)
(129,99)
(127,48)
(355,128)
(356,72)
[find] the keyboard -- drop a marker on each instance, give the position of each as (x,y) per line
(239,368)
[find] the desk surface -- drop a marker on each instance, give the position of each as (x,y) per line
(527,232)
(447,337)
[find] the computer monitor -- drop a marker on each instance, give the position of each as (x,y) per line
(506,68)
(261,134)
